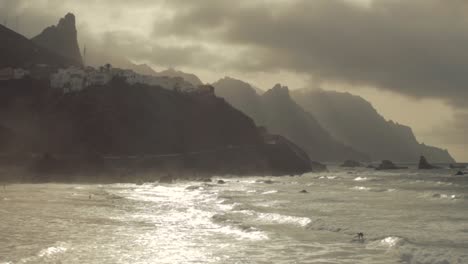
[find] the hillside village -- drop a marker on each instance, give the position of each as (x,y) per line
(74,78)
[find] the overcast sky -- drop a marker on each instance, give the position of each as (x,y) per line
(408,57)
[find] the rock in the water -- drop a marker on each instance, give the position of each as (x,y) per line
(166,179)
(389,165)
(424,164)
(303,191)
(221,182)
(205,180)
(460,173)
(351,164)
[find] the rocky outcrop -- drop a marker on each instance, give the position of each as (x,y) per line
(318,167)
(459,173)
(389,165)
(144,127)
(191,78)
(284,157)
(354,121)
(276,111)
(424,164)
(19,52)
(351,164)
(61,39)
(242,96)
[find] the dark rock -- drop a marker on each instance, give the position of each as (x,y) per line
(303,191)
(424,164)
(388,165)
(221,182)
(166,179)
(351,164)
(205,180)
(284,157)
(19,52)
(460,173)
(61,39)
(193,187)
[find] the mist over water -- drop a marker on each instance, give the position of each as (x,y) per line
(406,216)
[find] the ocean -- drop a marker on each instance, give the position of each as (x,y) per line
(406,216)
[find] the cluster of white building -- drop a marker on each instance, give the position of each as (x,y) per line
(13,73)
(75,79)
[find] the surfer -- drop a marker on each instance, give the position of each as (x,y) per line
(360,236)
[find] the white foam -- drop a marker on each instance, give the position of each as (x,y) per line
(270,192)
(282,219)
(361,188)
(50,251)
(361,179)
(391,241)
(253,235)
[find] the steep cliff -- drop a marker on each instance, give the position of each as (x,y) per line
(355,122)
(19,52)
(281,115)
(61,39)
(199,132)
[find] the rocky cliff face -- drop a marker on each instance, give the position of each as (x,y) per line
(191,78)
(281,115)
(354,121)
(199,132)
(242,96)
(61,39)
(18,51)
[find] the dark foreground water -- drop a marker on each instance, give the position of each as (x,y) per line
(406,216)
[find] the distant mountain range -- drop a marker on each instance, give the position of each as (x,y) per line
(280,114)
(321,119)
(354,121)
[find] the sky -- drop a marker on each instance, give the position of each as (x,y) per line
(407,57)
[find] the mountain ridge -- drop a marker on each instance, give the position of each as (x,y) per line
(276,110)
(61,39)
(354,120)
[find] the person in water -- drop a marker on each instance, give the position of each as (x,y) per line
(360,236)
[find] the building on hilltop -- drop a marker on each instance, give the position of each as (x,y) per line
(10,73)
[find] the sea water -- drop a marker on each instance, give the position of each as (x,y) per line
(406,216)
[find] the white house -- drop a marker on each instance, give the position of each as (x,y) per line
(20,73)
(74,79)
(71,79)
(13,73)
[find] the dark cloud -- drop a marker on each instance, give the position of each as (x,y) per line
(415,47)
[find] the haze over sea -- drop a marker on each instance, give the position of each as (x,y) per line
(407,216)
